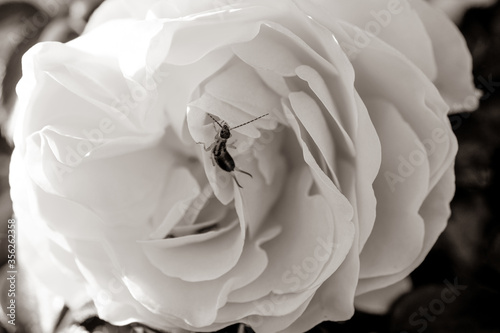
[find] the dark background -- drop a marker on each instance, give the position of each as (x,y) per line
(468,252)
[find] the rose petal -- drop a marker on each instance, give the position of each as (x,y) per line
(369,83)
(184,81)
(279,277)
(110,295)
(213,254)
(276,324)
(397,224)
(280,262)
(343,213)
(258,198)
(267,150)
(117,306)
(48,256)
(324,90)
(103,177)
(380,301)
(274,81)
(240,25)
(310,116)
(267,306)
(332,302)
(178,298)
(276,42)
(393,22)
(435,212)
(171,204)
(454,62)
(357,183)
(334,182)
(426,124)
(85,224)
(238,85)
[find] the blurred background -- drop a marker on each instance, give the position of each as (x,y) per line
(466,255)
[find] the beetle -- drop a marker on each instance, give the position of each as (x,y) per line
(218,148)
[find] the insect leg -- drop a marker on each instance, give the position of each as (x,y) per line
(205,147)
(201,143)
(242,171)
(236,180)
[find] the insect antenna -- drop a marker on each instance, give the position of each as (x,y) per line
(248,122)
(214,119)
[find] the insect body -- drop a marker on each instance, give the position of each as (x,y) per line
(220,155)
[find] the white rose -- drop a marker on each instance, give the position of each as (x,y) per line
(352,167)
